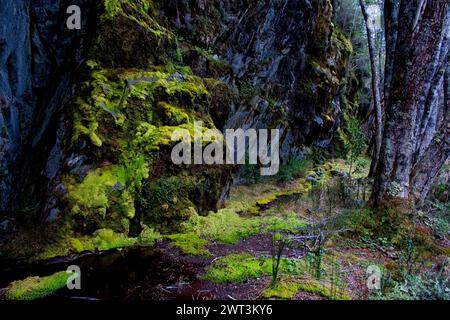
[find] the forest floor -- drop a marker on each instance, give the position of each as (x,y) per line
(243,270)
(324,251)
(303,240)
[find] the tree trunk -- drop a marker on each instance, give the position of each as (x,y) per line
(437,153)
(415,43)
(375,87)
(431,112)
(391,12)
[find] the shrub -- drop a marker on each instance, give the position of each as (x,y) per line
(354,140)
(294,169)
(416,287)
(361,221)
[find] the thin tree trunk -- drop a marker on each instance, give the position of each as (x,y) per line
(375,87)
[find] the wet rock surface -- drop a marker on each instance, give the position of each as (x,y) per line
(37,55)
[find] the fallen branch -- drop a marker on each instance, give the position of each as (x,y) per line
(322,233)
(391,255)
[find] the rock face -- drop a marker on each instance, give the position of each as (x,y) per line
(37,53)
(94,111)
(290,54)
(287,62)
(15,87)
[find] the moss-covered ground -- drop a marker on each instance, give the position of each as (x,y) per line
(237,245)
(33,288)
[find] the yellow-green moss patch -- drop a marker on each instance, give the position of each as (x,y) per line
(288,288)
(106,239)
(235,268)
(101,240)
(92,193)
(190,243)
(224,226)
(33,288)
(287,222)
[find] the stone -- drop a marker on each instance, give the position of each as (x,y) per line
(54,214)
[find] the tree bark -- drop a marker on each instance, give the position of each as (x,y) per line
(438,152)
(431,111)
(414,61)
(391,12)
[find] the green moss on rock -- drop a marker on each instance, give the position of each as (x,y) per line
(100,240)
(34,288)
(93,191)
(146,41)
(134,114)
(343,43)
(106,239)
(128,102)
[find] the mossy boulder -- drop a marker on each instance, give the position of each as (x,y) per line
(128,100)
(125,119)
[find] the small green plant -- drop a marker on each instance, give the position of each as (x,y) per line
(289,222)
(296,168)
(354,140)
(279,243)
(247,91)
(167,190)
(436,214)
(315,257)
(179,53)
(362,222)
(134,172)
(409,257)
(224,226)
(288,288)
(334,279)
(106,239)
(430,286)
(251,173)
(240,267)
(383,241)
